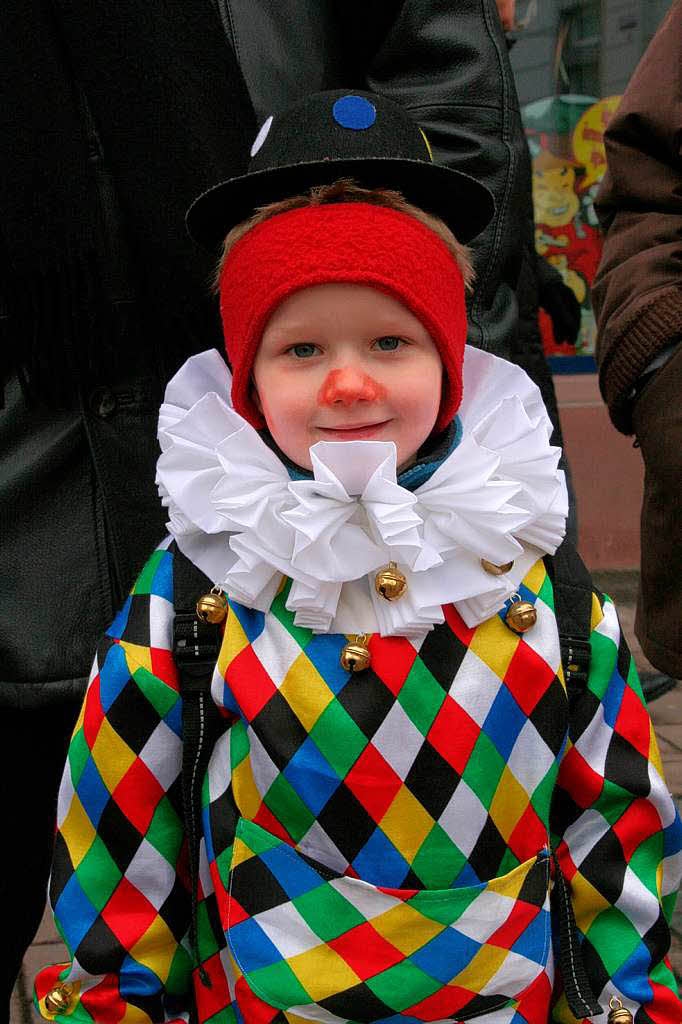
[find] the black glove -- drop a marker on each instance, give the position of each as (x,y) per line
(557,299)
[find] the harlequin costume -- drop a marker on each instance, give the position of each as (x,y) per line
(377,846)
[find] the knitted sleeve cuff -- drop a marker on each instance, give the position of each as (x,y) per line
(655,324)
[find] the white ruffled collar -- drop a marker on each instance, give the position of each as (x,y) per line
(238,516)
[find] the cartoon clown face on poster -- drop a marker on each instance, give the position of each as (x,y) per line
(565,136)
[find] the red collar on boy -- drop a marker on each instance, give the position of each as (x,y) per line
(357,243)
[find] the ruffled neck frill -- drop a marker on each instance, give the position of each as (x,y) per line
(235,512)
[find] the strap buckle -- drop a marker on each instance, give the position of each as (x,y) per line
(576,655)
(194,641)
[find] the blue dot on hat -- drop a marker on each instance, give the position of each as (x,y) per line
(354,112)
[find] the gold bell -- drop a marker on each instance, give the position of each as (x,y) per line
(390,582)
(496,570)
(521,615)
(212,607)
(618,1014)
(58,999)
(355,654)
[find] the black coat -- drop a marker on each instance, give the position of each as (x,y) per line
(120,114)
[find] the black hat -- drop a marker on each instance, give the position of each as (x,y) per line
(337,134)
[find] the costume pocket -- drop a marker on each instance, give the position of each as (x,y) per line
(327,946)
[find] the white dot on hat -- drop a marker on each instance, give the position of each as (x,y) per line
(262,135)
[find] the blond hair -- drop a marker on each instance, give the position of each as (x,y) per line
(345,190)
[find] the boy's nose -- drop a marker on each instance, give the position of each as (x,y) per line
(348,385)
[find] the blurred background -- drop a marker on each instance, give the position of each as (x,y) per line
(572,60)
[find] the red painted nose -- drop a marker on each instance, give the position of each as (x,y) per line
(348,385)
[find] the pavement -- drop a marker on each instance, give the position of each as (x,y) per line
(666,714)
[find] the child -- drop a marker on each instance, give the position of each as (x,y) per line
(398,786)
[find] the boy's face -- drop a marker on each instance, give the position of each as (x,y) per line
(345,362)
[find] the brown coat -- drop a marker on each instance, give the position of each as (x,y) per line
(637,297)
(637,293)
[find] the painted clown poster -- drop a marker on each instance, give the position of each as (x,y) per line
(565,136)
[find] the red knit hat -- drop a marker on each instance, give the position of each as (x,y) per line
(350,243)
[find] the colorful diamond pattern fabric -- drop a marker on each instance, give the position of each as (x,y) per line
(403,775)
(424,785)
(302,935)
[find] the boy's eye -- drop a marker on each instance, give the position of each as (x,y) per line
(389,343)
(304,350)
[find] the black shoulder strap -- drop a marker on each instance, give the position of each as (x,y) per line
(572,586)
(196,646)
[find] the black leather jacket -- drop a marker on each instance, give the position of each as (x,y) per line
(123,113)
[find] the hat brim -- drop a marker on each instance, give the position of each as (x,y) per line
(463,203)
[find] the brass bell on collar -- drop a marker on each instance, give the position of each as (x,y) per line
(618,1014)
(212,607)
(355,655)
(58,999)
(390,582)
(496,570)
(521,616)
